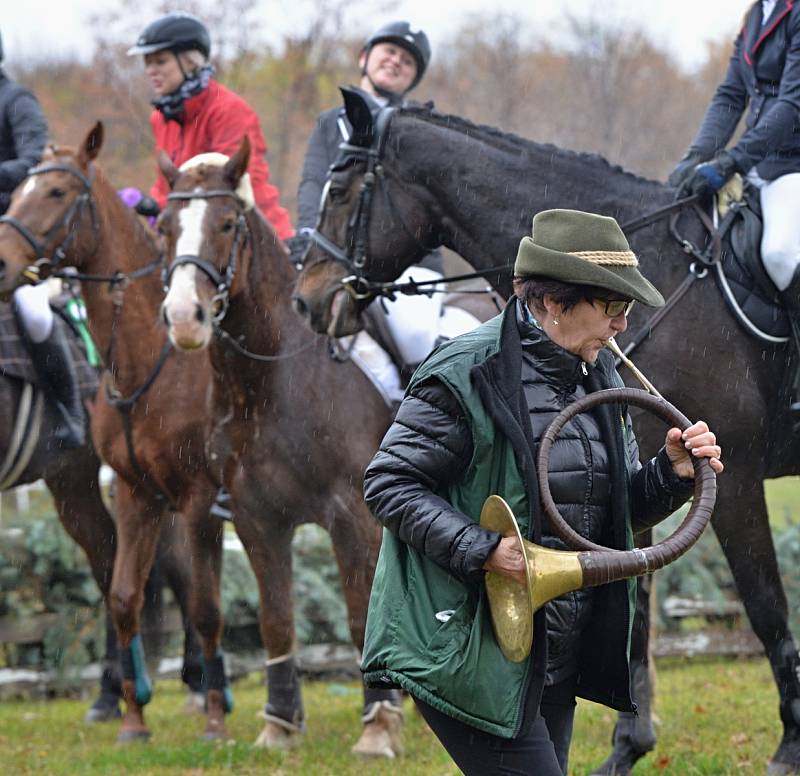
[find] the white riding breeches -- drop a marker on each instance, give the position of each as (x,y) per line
(414,320)
(780,242)
(33,308)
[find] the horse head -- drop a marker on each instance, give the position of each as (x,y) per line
(52,216)
(205,233)
(373,223)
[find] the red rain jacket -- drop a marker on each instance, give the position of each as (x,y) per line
(216,120)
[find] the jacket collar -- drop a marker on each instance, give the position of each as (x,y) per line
(194,106)
(552,361)
(755,33)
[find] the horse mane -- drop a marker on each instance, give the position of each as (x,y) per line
(510,143)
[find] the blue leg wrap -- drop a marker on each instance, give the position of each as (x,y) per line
(133,668)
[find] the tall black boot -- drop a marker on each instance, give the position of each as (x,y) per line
(791,301)
(53,362)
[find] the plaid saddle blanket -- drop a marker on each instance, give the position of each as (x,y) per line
(15,360)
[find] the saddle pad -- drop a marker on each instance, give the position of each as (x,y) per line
(746,288)
(15,360)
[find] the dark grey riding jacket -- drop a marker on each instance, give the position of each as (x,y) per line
(23,134)
(430,446)
(764,71)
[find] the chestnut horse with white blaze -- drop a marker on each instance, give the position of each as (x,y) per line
(300,427)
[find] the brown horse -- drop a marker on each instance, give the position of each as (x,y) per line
(72,479)
(412,179)
(301,427)
(149,419)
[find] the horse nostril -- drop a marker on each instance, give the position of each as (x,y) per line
(165,315)
(3,266)
(199,314)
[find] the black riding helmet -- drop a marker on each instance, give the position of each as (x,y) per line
(414,41)
(175,32)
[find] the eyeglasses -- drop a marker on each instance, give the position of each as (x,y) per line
(613,307)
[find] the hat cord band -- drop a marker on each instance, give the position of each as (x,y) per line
(613,258)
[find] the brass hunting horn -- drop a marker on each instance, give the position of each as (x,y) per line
(551,573)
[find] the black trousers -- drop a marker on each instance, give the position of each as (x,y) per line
(542,749)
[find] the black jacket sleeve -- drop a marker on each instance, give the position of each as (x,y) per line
(28,129)
(656,491)
(724,112)
(323,148)
(427,448)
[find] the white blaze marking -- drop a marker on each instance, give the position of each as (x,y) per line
(182,287)
(29,186)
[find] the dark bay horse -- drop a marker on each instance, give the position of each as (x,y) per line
(300,427)
(434,179)
(149,418)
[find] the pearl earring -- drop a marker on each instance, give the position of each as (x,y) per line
(555,321)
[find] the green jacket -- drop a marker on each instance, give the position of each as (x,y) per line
(454,664)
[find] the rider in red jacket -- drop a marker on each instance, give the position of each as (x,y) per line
(194,114)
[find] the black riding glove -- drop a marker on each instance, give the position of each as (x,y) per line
(684,169)
(710,177)
(148,207)
(298,245)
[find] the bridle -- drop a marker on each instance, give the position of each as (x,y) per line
(222,280)
(44,265)
(354,257)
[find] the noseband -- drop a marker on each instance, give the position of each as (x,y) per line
(354,259)
(221,280)
(70,219)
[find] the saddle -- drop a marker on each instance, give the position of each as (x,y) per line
(745,285)
(15,361)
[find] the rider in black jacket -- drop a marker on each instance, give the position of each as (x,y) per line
(23,134)
(764,73)
(393,61)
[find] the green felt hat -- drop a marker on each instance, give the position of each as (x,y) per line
(585,249)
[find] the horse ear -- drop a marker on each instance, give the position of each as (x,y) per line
(168,169)
(92,144)
(236,166)
(359,114)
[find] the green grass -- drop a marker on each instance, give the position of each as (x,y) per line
(783,501)
(717,717)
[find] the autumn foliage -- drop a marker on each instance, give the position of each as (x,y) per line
(601,89)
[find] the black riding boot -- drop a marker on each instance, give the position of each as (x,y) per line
(791,301)
(53,362)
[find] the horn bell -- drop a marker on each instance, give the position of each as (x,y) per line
(549,573)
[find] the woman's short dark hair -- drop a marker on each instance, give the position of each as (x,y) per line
(534,288)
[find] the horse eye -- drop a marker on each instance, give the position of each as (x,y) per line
(227,226)
(57,193)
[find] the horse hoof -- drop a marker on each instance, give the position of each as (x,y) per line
(195,703)
(382,732)
(276,735)
(131,736)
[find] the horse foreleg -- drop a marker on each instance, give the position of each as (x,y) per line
(742,527)
(269,548)
(634,734)
(356,540)
(138,526)
(174,560)
(205,543)
(76,492)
